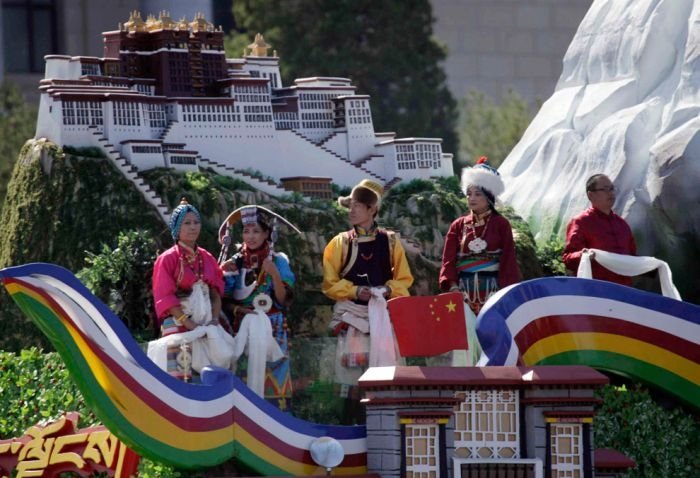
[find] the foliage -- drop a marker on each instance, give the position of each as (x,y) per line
(663,442)
(549,255)
(525,247)
(57,207)
(35,386)
(257,174)
(121,277)
(320,402)
(151,469)
(488,129)
(17,123)
(386,48)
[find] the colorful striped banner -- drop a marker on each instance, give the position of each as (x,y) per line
(570,321)
(185,425)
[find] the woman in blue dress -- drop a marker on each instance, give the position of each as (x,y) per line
(255,269)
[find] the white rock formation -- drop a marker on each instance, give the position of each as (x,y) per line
(627,105)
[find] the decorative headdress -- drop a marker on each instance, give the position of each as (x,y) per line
(365,192)
(484,176)
(250,215)
(178,215)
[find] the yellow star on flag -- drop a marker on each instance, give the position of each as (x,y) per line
(451,306)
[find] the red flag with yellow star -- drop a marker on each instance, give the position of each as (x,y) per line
(429,325)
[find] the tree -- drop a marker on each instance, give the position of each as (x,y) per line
(385,47)
(17,122)
(490,129)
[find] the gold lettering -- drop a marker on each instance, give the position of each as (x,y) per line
(101,444)
(68,457)
(120,461)
(37,449)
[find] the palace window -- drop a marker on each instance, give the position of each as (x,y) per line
(183,160)
(566,447)
(68,112)
(428,155)
(422,457)
(156,115)
(486,424)
(405,157)
(89,69)
(140,149)
(95,108)
(126,113)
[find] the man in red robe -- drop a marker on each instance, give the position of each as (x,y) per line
(598,227)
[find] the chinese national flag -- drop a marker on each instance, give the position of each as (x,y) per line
(429,325)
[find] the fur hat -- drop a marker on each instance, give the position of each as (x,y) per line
(484,176)
(178,215)
(365,192)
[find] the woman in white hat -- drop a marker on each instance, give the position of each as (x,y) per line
(479,253)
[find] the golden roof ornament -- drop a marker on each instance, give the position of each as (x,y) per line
(165,20)
(182,24)
(259,47)
(200,24)
(152,23)
(135,22)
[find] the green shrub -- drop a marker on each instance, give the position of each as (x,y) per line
(121,278)
(17,123)
(663,442)
(549,255)
(35,387)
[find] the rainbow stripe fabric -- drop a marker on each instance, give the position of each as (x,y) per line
(185,425)
(570,321)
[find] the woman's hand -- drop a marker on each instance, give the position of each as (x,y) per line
(229,266)
(240,311)
(270,268)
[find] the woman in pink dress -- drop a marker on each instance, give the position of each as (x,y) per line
(187,289)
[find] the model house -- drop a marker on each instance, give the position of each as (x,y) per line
(165,95)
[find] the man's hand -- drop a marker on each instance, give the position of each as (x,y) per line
(364,293)
(590,251)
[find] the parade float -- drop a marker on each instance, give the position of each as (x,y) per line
(526,410)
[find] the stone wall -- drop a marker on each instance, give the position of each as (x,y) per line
(497,45)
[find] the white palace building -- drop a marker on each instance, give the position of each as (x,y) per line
(165,95)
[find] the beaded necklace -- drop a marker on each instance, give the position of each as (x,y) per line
(478,244)
(189,257)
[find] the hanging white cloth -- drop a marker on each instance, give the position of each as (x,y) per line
(255,339)
(198,304)
(382,344)
(629,266)
(209,345)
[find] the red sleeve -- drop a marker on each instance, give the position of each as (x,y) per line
(164,286)
(448,270)
(508,270)
(575,243)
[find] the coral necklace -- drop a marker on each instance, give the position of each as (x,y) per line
(478,244)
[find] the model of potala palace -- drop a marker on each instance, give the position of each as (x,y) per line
(165,95)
